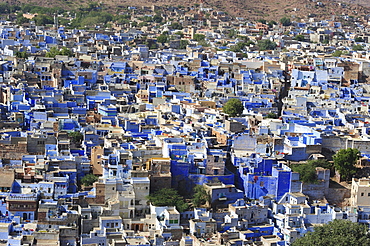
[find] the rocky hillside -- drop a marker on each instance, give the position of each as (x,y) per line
(251,9)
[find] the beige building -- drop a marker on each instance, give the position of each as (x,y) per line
(97,153)
(270,240)
(360,192)
(141,189)
(183,83)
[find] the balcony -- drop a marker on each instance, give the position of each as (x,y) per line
(22,197)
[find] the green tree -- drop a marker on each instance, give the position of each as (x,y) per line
(146,18)
(232,33)
(181,34)
(344,162)
(272,23)
(92,6)
(168,197)
(63,21)
(157,18)
(266,44)
(200,197)
(95,17)
(89,179)
(152,46)
(307,173)
(21,54)
(285,21)
(233,107)
(184,43)
(238,47)
(299,37)
(326,39)
(134,24)
(163,38)
(54,51)
(144,23)
(243,38)
(337,53)
(199,37)
(336,233)
(65,52)
(21,20)
(176,26)
(42,20)
(76,137)
(249,42)
(357,47)
(272,115)
(4,8)
(320,163)
(204,43)
(359,39)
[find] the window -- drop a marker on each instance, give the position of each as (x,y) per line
(362,194)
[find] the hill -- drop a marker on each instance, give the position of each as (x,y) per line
(250,9)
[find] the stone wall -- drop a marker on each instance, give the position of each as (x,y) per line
(337,195)
(12,151)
